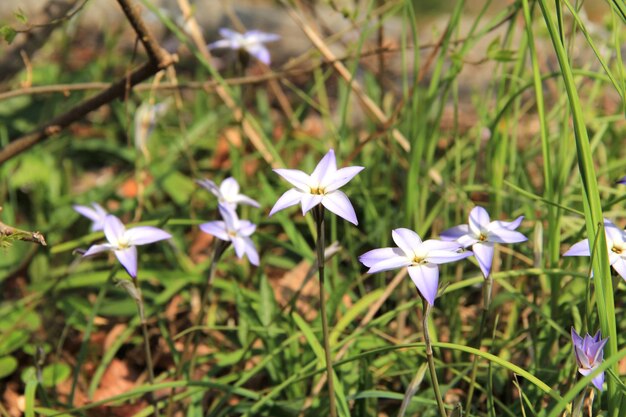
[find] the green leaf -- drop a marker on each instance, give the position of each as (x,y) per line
(21,16)
(8,365)
(268,302)
(179,187)
(8,33)
(495,52)
(54,374)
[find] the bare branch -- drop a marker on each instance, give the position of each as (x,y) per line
(18,234)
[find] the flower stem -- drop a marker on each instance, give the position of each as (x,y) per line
(318,214)
(220,247)
(146,341)
(431,362)
(487,286)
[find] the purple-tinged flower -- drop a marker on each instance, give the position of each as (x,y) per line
(321,187)
(146,117)
(615,242)
(123,242)
(421,258)
(622,181)
(251,41)
(589,355)
(97,214)
(233,230)
(228,193)
(482,234)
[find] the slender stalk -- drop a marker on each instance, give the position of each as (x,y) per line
(220,247)
(146,339)
(431,362)
(577,409)
(318,214)
(487,286)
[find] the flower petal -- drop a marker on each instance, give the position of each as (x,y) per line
(143,235)
(239,246)
(484,255)
(216,228)
(229,188)
(250,250)
(246,228)
(94,249)
(259,36)
(579,249)
(478,220)
(498,224)
(325,169)
(446,256)
(242,199)
(231,220)
(296,177)
(260,52)
(375,256)
(210,186)
(455,232)
(86,212)
(230,34)
(426,279)
(340,178)
(288,199)
(222,43)
(338,203)
(113,230)
(407,240)
(506,236)
(576,339)
(620,267)
(128,259)
(598,381)
(309,201)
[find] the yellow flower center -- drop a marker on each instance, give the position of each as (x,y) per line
(318,191)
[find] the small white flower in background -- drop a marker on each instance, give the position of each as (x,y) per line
(233,230)
(251,41)
(145,120)
(123,242)
(321,187)
(228,192)
(97,214)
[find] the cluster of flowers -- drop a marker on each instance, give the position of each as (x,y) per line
(420,257)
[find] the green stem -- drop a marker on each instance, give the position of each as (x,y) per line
(146,341)
(318,214)
(431,362)
(487,286)
(220,248)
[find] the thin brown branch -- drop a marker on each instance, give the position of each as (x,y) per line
(18,234)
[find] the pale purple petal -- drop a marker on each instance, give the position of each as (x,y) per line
(229,33)
(598,349)
(325,170)
(128,259)
(576,339)
(288,199)
(246,228)
(426,279)
(260,52)
(217,229)
(622,180)
(440,245)
(228,213)
(143,235)
(296,177)
(507,225)
(239,246)
(478,220)
(467,240)
(598,381)
(455,232)
(87,212)
(242,199)
(506,236)
(253,255)
(338,203)
(484,255)
(309,201)
(614,233)
(113,229)
(229,188)
(259,36)
(620,267)
(374,256)
(445,256)
(394,262)
(210,186)
(340,178)
(579,249)
(407,240)
(94,249)
(223,43)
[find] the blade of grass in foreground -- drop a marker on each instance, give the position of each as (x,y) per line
(593,209)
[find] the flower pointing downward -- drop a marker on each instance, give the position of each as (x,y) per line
(482,234)
(228,193)
(123,242)
(233,230)
(421,258)
(589,353)
(321,187)
(251,41)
